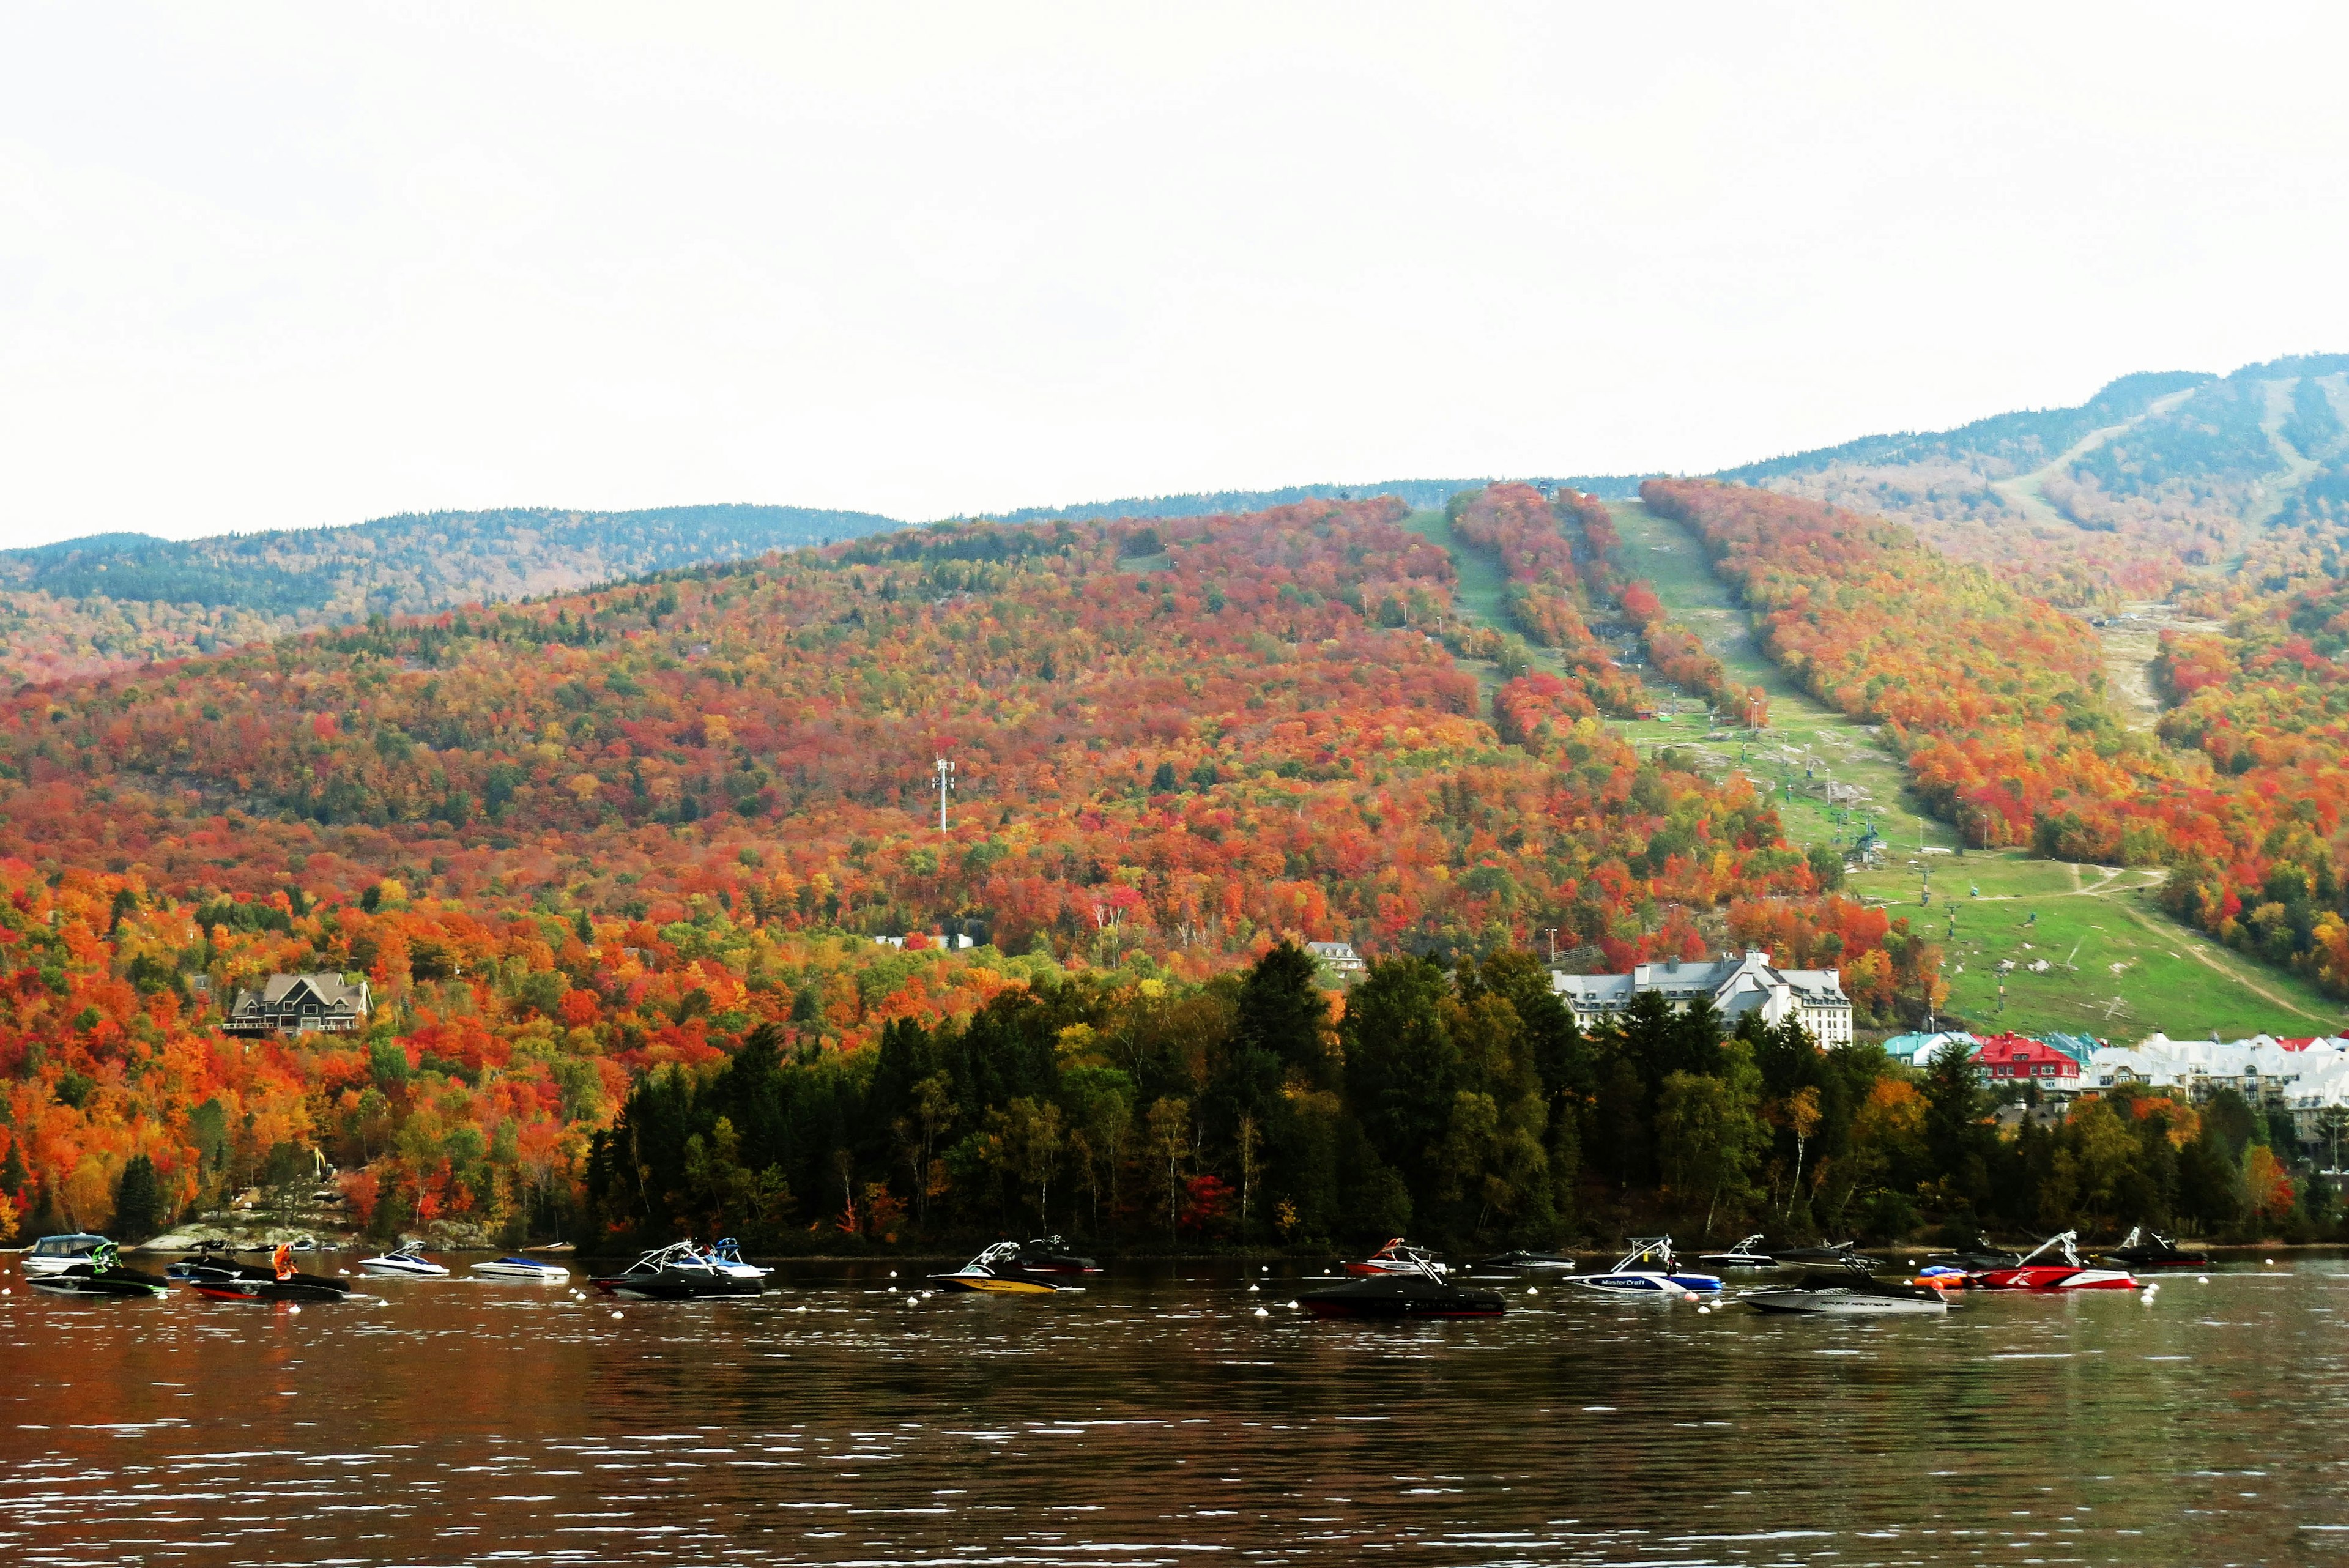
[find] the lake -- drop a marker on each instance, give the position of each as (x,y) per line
(1156,1418)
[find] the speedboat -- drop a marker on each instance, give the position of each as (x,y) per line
(1647,1269)
(997,1270)
(2064,1272)
(213,1273)
(99,1274)
(679,1271)
(1398,1257)
(56,1254)
(1849,1292)
(1529,1262)
(2160,1253)
(726,1256)
(1747,1254)
(1843,1253)
(1050,1255)
(529,1268)
(402,1263)
(1401,1293)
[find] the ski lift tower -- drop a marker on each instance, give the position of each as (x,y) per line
(945,782)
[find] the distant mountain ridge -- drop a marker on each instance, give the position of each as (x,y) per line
(1418,493)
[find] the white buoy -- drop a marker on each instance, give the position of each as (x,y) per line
(892,1273)
(1253,1289)
(1533,1290)
(295,1308)
(1292,1303)
(2271,1262)
(794,1309)
(1262,1312)
(1705,1311)
(2201,1279)
(615,1314)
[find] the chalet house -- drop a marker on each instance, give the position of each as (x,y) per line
(1735,986)
(1339,957)
(299,1004)
(2010,1061)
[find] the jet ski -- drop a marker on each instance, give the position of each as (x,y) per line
(677,1273)
(1844,1254)
(1420,1290)
(402,1263)
(213,1273)
(1647,1269)
(1398,1257)
(2160,1253)
(101,1275)
(2064,1272)
(1846,1293)
(1050,1255)
(1747,1254)
(997,1271)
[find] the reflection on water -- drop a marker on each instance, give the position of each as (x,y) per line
(1155,1419)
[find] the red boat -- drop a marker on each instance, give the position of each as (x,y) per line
(2064,1272)
(1398,1257)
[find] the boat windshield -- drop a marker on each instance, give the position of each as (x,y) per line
(80,1246)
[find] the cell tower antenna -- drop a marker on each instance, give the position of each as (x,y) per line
(945,780)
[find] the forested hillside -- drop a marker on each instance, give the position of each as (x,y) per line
(115,599)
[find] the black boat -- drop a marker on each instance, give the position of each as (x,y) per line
(681,1273)
(1975,1256)
(1748,1253)
(1846,1293)
(102,1275)
(1844,1254)
(1528,1262)
(213,1272)
(2159,1252)
(1050,1255)
(1401,1293)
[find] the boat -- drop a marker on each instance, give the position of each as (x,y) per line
(530,1269)
(2064,1272)
(1398,1257)
(56,1254)
(1747,1254)
(99,1274)
(402,1263)
(2160,1253)
(1647,1269)
(1843,1254)
(213,1273)
(1529,1262)
(1419,1291)
(1846,1293)
(1051,1255)
(726,1257)
(997,1271)
(679,1271)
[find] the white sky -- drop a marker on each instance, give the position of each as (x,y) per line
(271,266)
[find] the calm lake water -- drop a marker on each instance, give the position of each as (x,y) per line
(1156,1419)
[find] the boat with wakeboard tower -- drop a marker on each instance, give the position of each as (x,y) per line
(680,1272)
(1849,1291)
(1529,1262)
(2161,1251)
(1649,1269)
(1415,1288)
(726,1256)
(2062,1271)
(1053,1255)
(1748,1253)
(215,1272)
(997,1271)
(1835,1254)
(100,1274)
(1398,1257)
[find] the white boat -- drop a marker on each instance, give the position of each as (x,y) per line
(404,1264)
(1747,1254)
(726,1257)
(1647,1269)
(56,1254)
(523,1269)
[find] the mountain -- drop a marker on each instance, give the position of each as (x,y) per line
(110,599)
(2162,482)
(1421,494)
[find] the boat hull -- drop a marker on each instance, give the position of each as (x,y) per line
(1393,1296)
(1641,1284)
(993,1284)
(655,1288)
(1838,1302)
(2057,1277)
(115,1284)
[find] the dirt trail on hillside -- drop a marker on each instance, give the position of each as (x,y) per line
(2026,492)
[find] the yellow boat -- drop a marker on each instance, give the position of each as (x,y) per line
(997,1269)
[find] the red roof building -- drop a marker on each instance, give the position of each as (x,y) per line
(2017,1058)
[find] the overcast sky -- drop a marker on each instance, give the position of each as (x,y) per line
(264,267)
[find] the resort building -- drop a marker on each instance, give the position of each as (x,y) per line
(1735,986)
(2308,1077)
(2011,1061)
(299,1004)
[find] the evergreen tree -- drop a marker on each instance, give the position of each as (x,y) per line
(138,1200)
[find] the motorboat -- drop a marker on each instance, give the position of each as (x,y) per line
(56,1254)
(1846,1293)
(726,1256)
(402,1263)
(2158,1252)
(213,1272)
(1401,1293)
(1649,1269)
(1052,1255)
(1748,1253)
(997,1271)
(99,1274)
(1398,1257)
(1529,1262)
(679,1271)
(2063,1272)
(1843,1254)
(1971,1261)
(526,1269)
